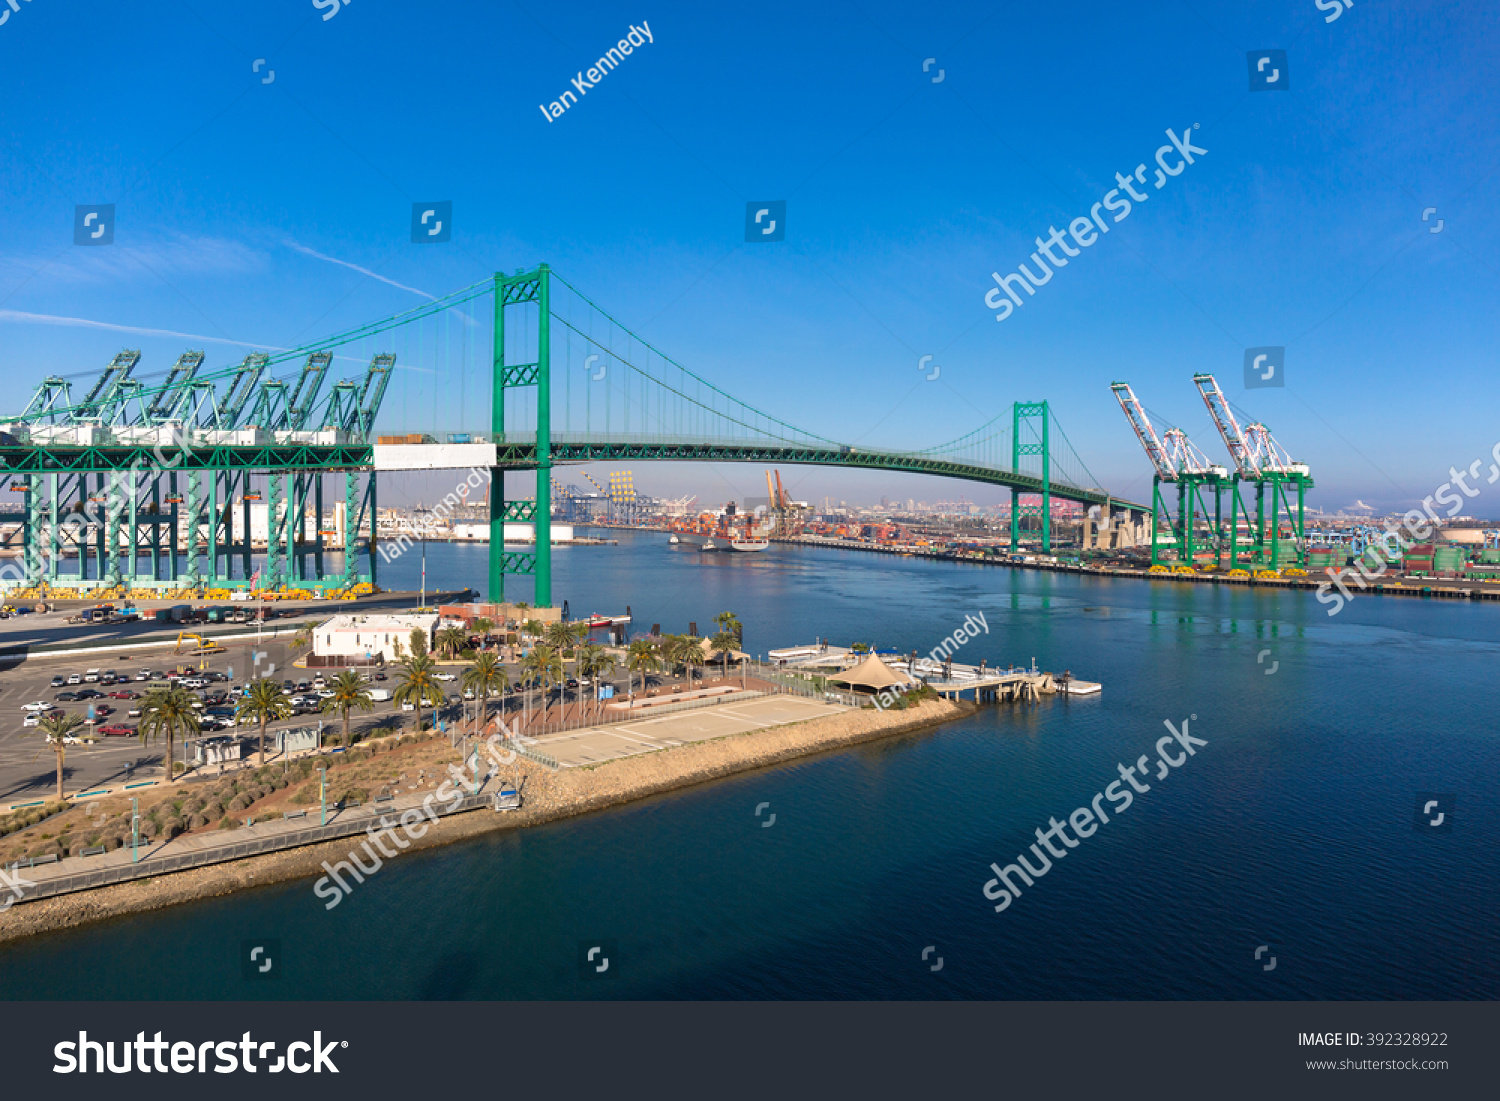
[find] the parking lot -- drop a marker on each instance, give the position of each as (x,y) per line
(27,766)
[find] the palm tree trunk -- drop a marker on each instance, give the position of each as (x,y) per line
(60,750)
(346,728)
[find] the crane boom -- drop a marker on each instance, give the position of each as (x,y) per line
(1229,429)
(1160,459)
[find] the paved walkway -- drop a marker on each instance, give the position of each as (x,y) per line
(592,745)
(204,844)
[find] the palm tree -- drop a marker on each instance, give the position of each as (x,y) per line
(482,628)
(723,644)
(485,675)
(418,683)
(349,692)
(688,651)
(593,661)
(730,622)
(166,712)
(534,628)
(302,639)
(641,657)
(55,726)
(452,640)
(543,665)
(262,702)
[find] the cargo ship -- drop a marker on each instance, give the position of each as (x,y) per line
(748,544)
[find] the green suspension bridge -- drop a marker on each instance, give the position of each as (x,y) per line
(166,483)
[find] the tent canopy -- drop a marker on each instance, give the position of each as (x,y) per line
(872,673)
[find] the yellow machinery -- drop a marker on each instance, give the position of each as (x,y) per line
(204,645)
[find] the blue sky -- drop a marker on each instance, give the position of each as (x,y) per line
(1301,226)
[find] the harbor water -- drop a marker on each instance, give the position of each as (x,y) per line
(1297,828)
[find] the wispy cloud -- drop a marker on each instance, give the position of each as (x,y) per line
(172,256)
(355,267)
(24,318)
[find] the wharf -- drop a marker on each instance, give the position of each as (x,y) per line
(950,680)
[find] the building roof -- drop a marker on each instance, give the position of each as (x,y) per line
(870,673)
(398,622)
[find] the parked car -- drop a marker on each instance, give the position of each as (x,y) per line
(65,697)
(408,706)
(318,682)
(34,718)
(125,695)
(380,676)
(117,730)
(91,676)
(133,713)
(75,678)
(79,739)
(90,694)
(58,682)
(446,676)
(40,705)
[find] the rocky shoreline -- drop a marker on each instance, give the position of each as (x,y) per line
(549,796)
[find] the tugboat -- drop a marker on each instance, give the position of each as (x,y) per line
(673,541)
(709,546)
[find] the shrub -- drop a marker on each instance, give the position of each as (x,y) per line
(227,823)
(197,822)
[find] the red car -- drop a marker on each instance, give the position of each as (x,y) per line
(115,730)
(124,695)
(101,711)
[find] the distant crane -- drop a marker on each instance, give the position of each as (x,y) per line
(1260,460)
(1175,461)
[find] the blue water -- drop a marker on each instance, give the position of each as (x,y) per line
(1293,828)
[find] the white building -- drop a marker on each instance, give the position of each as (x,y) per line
(514,533)
(373,636)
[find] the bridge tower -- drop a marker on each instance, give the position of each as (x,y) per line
(1038,445)
(518,290)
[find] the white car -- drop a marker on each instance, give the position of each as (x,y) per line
(75,678)
(32,720)
(446,676)
(79,739)
(39,706)
(468,693)
(408,706)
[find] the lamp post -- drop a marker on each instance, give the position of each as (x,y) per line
(323,792)
(135,831)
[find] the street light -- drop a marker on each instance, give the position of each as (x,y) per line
(135,831)
(323,792)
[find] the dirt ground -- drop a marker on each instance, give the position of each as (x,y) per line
(549,795)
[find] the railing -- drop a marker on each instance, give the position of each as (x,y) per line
(161,865)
